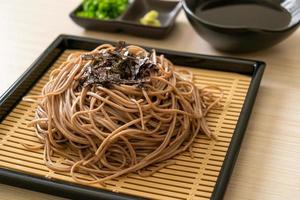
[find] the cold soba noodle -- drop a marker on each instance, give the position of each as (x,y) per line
(117,110)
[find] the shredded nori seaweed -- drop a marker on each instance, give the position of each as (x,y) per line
(117,67)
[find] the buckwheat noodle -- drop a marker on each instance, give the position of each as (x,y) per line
(106,132)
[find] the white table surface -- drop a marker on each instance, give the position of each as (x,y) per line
(268,166)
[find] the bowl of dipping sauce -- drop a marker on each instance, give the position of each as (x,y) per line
(241,26)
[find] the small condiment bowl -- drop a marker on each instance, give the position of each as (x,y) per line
(242,39)
(129,23)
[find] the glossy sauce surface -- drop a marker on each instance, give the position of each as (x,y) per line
(238,14)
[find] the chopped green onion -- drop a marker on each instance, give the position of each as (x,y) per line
(102,9)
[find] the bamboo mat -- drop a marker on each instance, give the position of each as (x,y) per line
(186,179)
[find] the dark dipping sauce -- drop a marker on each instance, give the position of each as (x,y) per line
(248,14)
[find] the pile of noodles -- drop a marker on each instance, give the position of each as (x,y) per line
(108,129)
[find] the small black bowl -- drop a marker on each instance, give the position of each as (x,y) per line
(128,22)
(240,39)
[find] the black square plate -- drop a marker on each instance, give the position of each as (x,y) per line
(128,22)
(14,94)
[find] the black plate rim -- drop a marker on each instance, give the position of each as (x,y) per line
(75,191)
